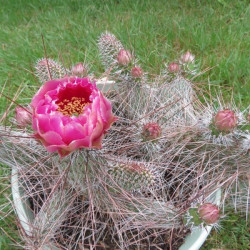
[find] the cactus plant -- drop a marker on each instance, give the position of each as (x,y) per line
(157,161)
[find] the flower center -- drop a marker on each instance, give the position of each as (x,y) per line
(73,106)
(72,99)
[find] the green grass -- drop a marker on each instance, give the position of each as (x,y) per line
(217,32)
(7,227)
(234,234)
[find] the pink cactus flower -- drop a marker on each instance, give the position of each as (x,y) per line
(70,113)
(209,213)
(187,57)
(124,57)
(79,70)
(136,72)
(173,67)
(225,120)
(151,131)
(23,116)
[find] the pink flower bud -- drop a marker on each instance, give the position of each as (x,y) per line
(124,57)
(23,116)
(209,213)
(187,57)
(79,70)
(136,72)
(173,67)
(225,120)
(151,131)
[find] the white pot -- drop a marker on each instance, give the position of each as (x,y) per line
(192,242)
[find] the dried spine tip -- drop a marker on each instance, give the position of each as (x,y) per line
(187,57)
(124,57)
(23,116)
(136,72)
(209,213)
(225,120)
(173,67)
(151,131)
(79,70)
(132,176)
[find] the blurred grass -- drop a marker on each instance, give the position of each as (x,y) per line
(234,234)
(217,32)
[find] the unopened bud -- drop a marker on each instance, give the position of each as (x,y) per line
(79,70)
(173,67)
(124,57)
(151,131)
(23,116)
(248,117)
(136,72)
(187,57)
(225,120)
(209,213)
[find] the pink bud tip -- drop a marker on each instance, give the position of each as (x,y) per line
(248,117)
(124,57)
(187,57)
(173,67)
(209,213)
(23,116)
(136,72)
(79,70)
(108,38)
(225,120)
(43,62)
(151,131)
(138,168)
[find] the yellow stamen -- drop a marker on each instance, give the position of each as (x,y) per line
(75,106)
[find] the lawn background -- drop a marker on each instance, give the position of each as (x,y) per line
(217,32)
